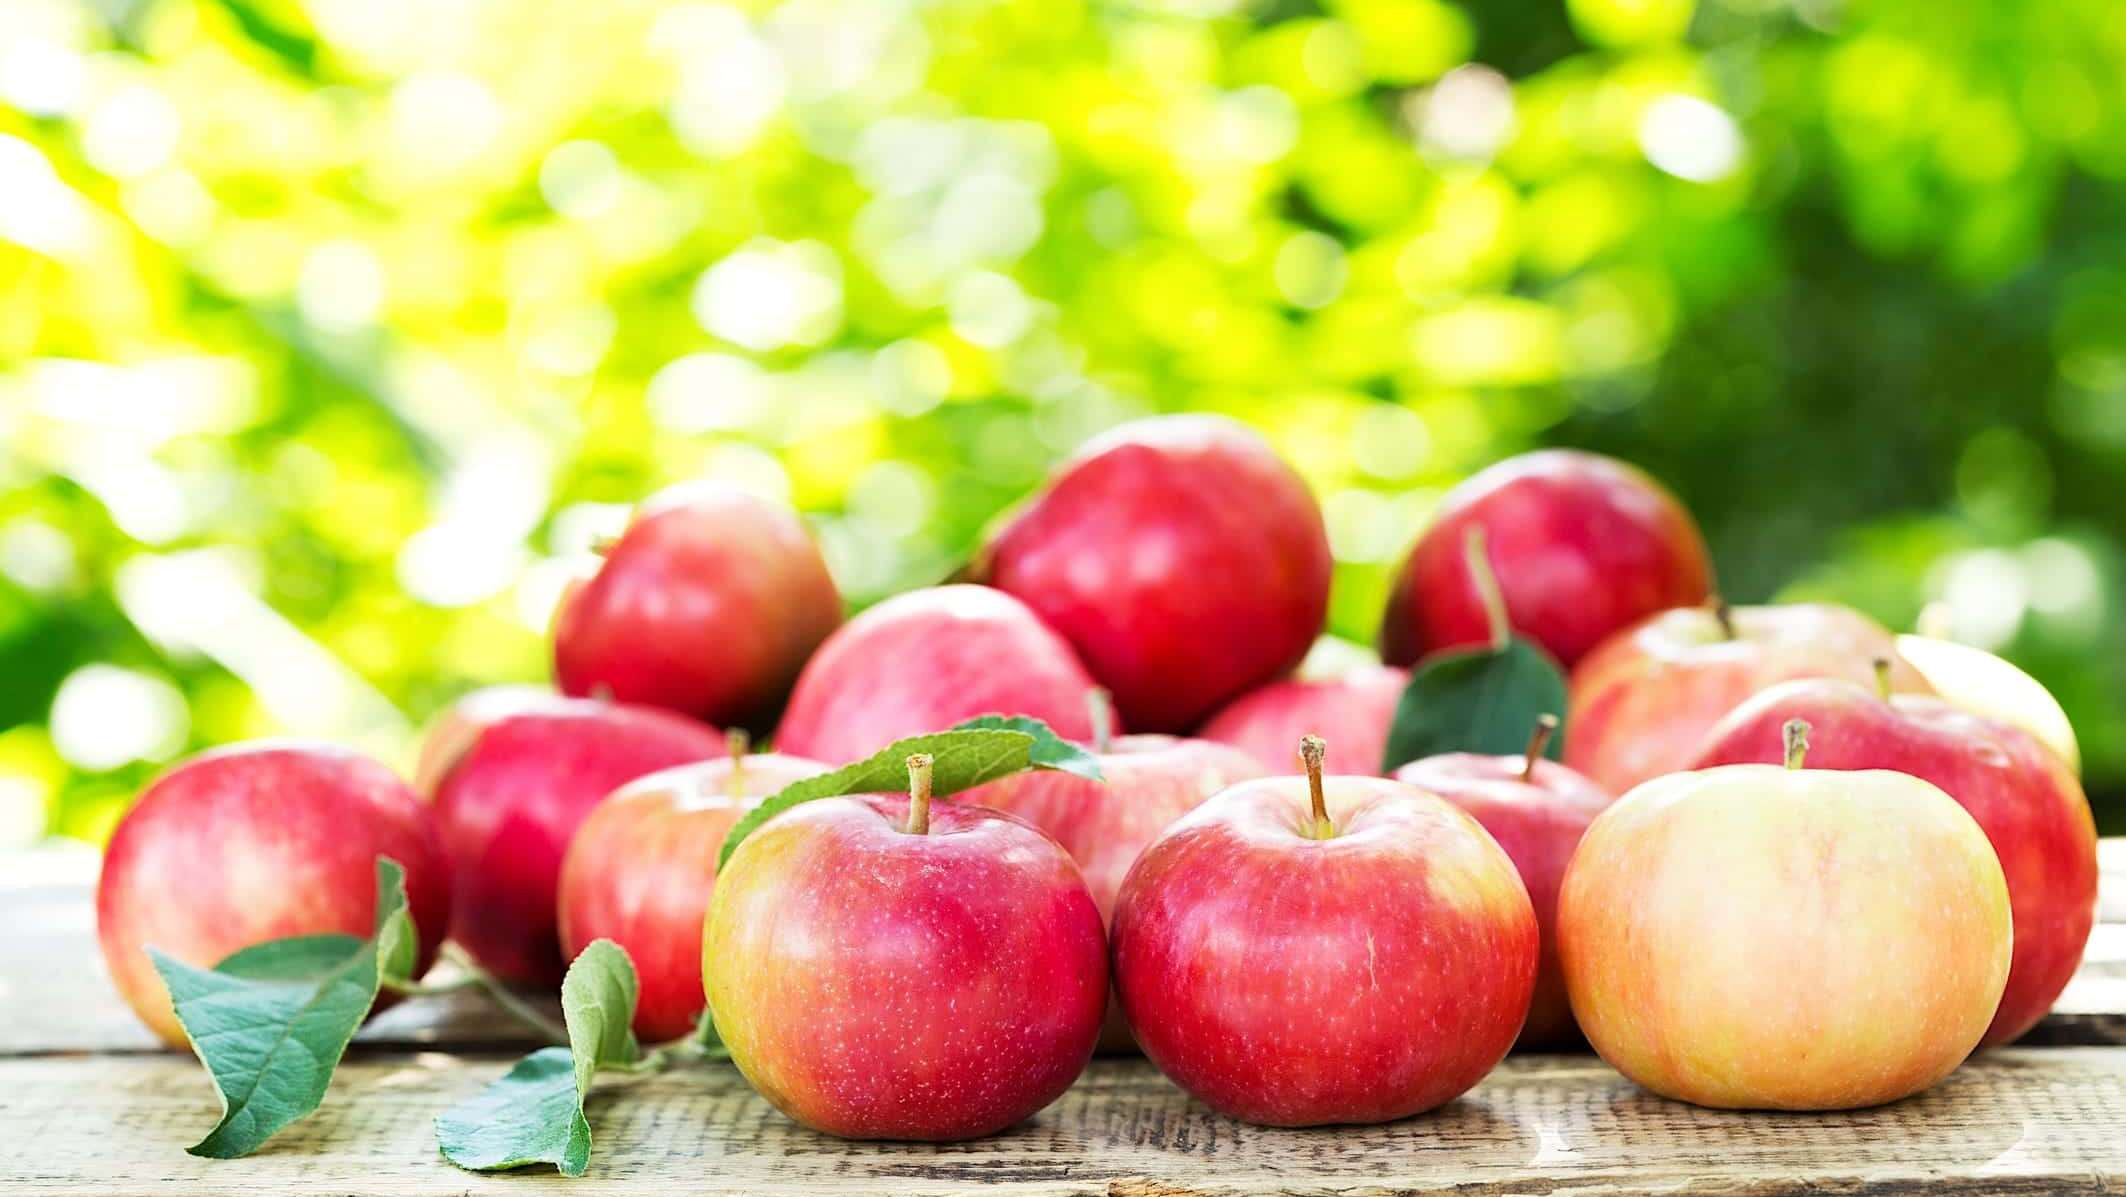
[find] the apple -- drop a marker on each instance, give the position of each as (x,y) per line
(1352,711)
(2023,796)
(255,842)
(640,870)
(890,968)
(1583,545)
(1537,810)
(1185,561)
(1984,684)
(512,798)
(708,604)
(453,730)
(1642,702)
(1767,937)
(925,660)
(1300,951)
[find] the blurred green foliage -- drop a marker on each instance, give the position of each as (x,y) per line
(333,332)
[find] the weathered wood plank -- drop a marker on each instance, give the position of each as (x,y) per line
(2017,1120)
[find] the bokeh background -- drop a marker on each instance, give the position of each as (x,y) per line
(333,332)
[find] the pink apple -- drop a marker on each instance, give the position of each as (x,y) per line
(925,660)
(255,842)
(1352,712)
(2022,794)
(640,870)
(458,725)
(886,968)
(1760,937)
(1643,702)
(512,799)
(1536,810)
(1359,953)
(1181,556)
(1583,546)
(708,604)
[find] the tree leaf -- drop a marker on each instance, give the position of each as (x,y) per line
(271,1021)
(1483,700)
(533,1114)
(962,757)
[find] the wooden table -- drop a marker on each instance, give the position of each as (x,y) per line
(90,1104)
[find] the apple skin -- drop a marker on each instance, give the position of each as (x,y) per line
(1185,561)
(254,842)
(641,868)
(1292,981)
(708,605)
(2023,796)
(925,660)
(1756,937)
(1351,712)
(1642,703)
(1538,822)
(458,726)
(1984,684)
(874,984)
(1582,545)
(517,793)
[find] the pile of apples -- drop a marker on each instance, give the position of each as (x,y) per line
(1729,915)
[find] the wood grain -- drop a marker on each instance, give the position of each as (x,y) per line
(2017,1120)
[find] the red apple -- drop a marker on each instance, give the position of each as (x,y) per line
(256,842)
(2023,795)
(1583,545)
(454,730)
(512,799)
(886,968)
(1181,556)
(640,870)
(708,604)
(1351,712)
(1760,937)
(1361,961)
(1643,701)
(925,660)
(1537,810)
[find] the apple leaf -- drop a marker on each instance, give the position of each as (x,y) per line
(1484,700)
(962,757)
(534,1113)
(272,1020)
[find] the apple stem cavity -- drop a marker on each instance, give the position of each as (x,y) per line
(1100,709)
(737,743)
(1882,678)
(1724,612)
(1546,726)
(1486,582)
(1313,751)
(1796,735)
(919,794)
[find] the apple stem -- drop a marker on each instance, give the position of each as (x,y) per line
(737,743)
(1725,613)
(1546,726)
(1486,582)
(1796,735)
(1313,750)
(602,692)
(1882,678)
(919,794)
(499,990)
(601,545)
(1100,709)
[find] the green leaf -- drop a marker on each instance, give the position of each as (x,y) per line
(272,1020)
(969,754)
(534,1113)
(706,1038)
(1483,700)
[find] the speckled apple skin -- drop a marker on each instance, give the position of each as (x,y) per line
(1582,545)
(1183,559)
(641,868)
(256,842)
(1754,937)
(1351,712)
(925,660)
(510,804)
(1538,822)
(874,984)
(2026,800)
(708,604)
(1642,703)
(1293,981)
